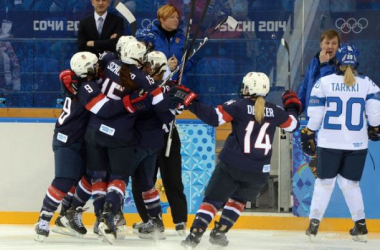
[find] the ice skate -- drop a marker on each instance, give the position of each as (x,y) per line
(60,228)
(218,236)
(121,226)
(193,239)
(153,229)
(73,221)
(180,228)
(359,231)
(136,226)
(313,228)
(42,230)
(106,224)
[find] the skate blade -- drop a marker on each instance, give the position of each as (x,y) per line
(74,233)
(181,232)
(109,237)
(121,232)
(360,238)
(156,236)
(311,237)
(40,238)
(62,230)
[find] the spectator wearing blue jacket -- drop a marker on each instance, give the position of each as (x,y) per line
(322,64)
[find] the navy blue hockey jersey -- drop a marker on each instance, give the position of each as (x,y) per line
(72,122)
(249,145)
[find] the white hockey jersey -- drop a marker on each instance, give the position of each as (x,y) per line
(341,112)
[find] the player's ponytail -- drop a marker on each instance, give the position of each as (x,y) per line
(259,109)
(349,75)
(125,78)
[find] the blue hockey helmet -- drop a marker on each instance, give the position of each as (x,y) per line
(347,55)
(146,35)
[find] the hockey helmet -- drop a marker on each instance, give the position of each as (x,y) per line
(158,62)
(84,63)
(347,55)
(123,40)
(255,83)
(145,35)
(133,53)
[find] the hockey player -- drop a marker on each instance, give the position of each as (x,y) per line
(109,142)
(340,106)
(68,140)
(244,162)
(150,137)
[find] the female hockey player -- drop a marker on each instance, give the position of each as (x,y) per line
(244,162)
(340,106)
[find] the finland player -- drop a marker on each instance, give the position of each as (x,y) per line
(340,107)
(68,140)
(244,163)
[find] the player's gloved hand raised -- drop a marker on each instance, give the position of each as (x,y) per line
(308,143)
(69,82)
(291,101)
(182,95)
(137,101)
(374,133)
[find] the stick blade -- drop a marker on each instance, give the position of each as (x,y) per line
(232,22)
(125,12)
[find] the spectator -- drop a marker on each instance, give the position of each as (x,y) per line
(322,64)
(99,32)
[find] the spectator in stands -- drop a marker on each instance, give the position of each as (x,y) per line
(99,32)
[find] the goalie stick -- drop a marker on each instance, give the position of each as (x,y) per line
(127,14)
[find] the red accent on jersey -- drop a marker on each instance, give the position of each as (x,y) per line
(235,204)
(99,186)
(150,194)
(118,184)
(72,190)
(94,101)
(225,115)
(287,123)
(208,207)
(56,193)
(86,184)
(156,91)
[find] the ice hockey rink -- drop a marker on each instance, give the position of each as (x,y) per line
(21,237)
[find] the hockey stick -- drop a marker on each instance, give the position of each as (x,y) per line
(230,21)
(170,136)
(127,14)
(286,46)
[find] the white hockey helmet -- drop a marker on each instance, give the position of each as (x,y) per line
(124,40)
(158,62)
(133,53)
(84,63)
(255,83)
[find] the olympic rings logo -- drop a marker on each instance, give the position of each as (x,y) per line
(351,24)
(147,23)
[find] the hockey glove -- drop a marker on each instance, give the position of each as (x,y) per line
(182,95)
(69,82)
(291,101)
(308,143)
(374,133)
(137,101)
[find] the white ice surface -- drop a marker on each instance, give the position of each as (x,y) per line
(21,237)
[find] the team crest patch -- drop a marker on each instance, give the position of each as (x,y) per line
(177,40)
